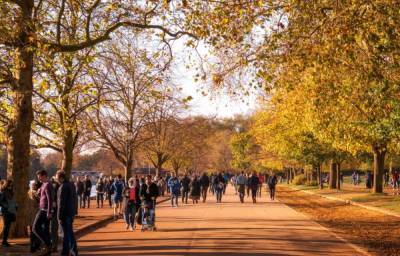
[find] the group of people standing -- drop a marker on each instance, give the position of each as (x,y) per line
(55,203)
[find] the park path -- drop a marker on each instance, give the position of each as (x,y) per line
(229,228)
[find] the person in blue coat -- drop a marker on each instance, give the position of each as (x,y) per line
(175,188)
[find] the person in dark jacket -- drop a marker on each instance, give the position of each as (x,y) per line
(8,208)
(254,181)
(195,189)
(219,183)
(87,187)
(108,191)
(100,189)
(67,209)
(185,182)
(204,183)
(149,192)
(79,190)
(272,181)
(131,197)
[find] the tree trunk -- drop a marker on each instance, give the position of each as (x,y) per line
(333,175)
(19,126)
(319,177)
(287,176)
(291,174)
(379,165)
(68,151)
(338,172)
(128,169)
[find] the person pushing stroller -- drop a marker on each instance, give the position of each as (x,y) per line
(149,193)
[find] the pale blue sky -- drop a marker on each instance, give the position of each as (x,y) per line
(215,104)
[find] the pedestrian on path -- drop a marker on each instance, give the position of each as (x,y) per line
(53,222)
(195,190)
(212,180)
(108,191)
(34,197)
(131,197)
(149,193)
(261,178)
(42,220)
(253,184)
(185,182)
(174,186)
(117,189)
(248,184)
(272,181)
(241,185)
(234,183)
(100,190)
(395,182)
(204,183)
(219,183)
(8,208)
(80,189)
(87,186)
(67,202)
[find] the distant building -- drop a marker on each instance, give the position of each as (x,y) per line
(143,171)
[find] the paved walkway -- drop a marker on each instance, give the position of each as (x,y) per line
(229,228)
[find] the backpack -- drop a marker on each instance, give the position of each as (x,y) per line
(119,186)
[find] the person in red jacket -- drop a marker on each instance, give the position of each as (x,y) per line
(261,177)
(131,199)
(395,182)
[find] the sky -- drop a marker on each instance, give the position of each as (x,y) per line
(214,104)
(219,105)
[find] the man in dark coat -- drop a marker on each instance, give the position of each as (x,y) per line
(204,183)
(67,209)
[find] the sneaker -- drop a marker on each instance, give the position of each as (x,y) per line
(127,226)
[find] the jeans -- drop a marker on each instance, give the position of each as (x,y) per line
(185,195)
(241,191)
(109,198)
(272,192)
(129,214)
(254,193)
(218,193)
(69,242)
(54,229)
(204,193)
(80,199)
(174,197)
(86,199)
(8,219)
(41,226)
(100,199)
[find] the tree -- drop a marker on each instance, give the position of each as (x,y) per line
(162,128)
(130,77)
(64,93)
(27,27)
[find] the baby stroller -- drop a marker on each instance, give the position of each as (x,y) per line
(146,217)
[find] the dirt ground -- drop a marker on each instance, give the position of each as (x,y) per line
(376,232)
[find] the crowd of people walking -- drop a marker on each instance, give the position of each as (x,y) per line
(57,201)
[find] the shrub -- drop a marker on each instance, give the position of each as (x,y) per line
(300,179)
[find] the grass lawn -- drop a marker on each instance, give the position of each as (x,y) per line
(360,194)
